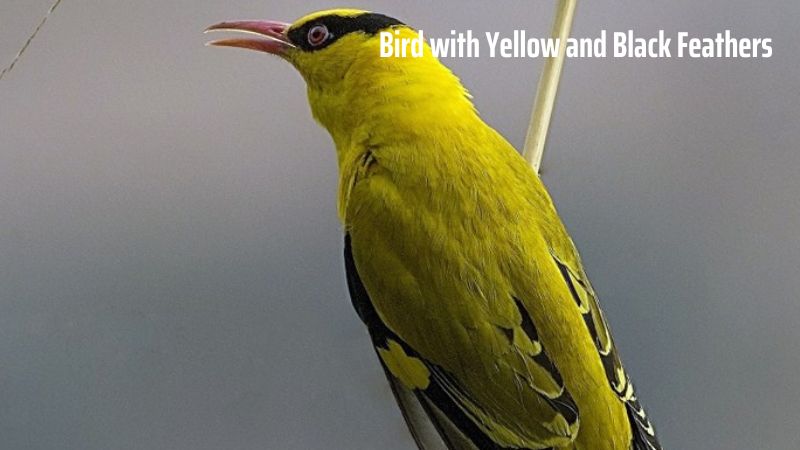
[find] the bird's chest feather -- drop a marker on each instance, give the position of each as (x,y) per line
(426,231)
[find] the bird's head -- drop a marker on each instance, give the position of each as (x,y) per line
(322,45)
(338,54)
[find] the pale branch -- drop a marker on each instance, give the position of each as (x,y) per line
(543,105)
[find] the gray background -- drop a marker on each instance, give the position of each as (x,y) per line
(170,257)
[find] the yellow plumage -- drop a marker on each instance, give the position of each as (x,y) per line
(472,290)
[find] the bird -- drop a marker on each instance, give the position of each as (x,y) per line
(472,292)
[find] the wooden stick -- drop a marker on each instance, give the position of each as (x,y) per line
(30,39)
(536,137)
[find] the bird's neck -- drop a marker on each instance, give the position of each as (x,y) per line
(390,100)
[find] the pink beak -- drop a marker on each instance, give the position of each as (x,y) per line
(271,35)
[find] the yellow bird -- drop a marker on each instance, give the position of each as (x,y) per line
(472,291)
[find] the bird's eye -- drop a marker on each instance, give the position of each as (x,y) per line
(318,34)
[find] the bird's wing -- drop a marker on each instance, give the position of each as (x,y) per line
(465,420)
(644,437)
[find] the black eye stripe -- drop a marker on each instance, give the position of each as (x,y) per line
(338,26)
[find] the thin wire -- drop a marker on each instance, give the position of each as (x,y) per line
(543,105)
(30,39)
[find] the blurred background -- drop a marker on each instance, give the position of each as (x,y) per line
(170,258)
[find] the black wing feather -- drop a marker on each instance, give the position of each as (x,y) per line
(643,433)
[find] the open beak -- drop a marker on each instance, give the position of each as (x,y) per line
(271,35)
